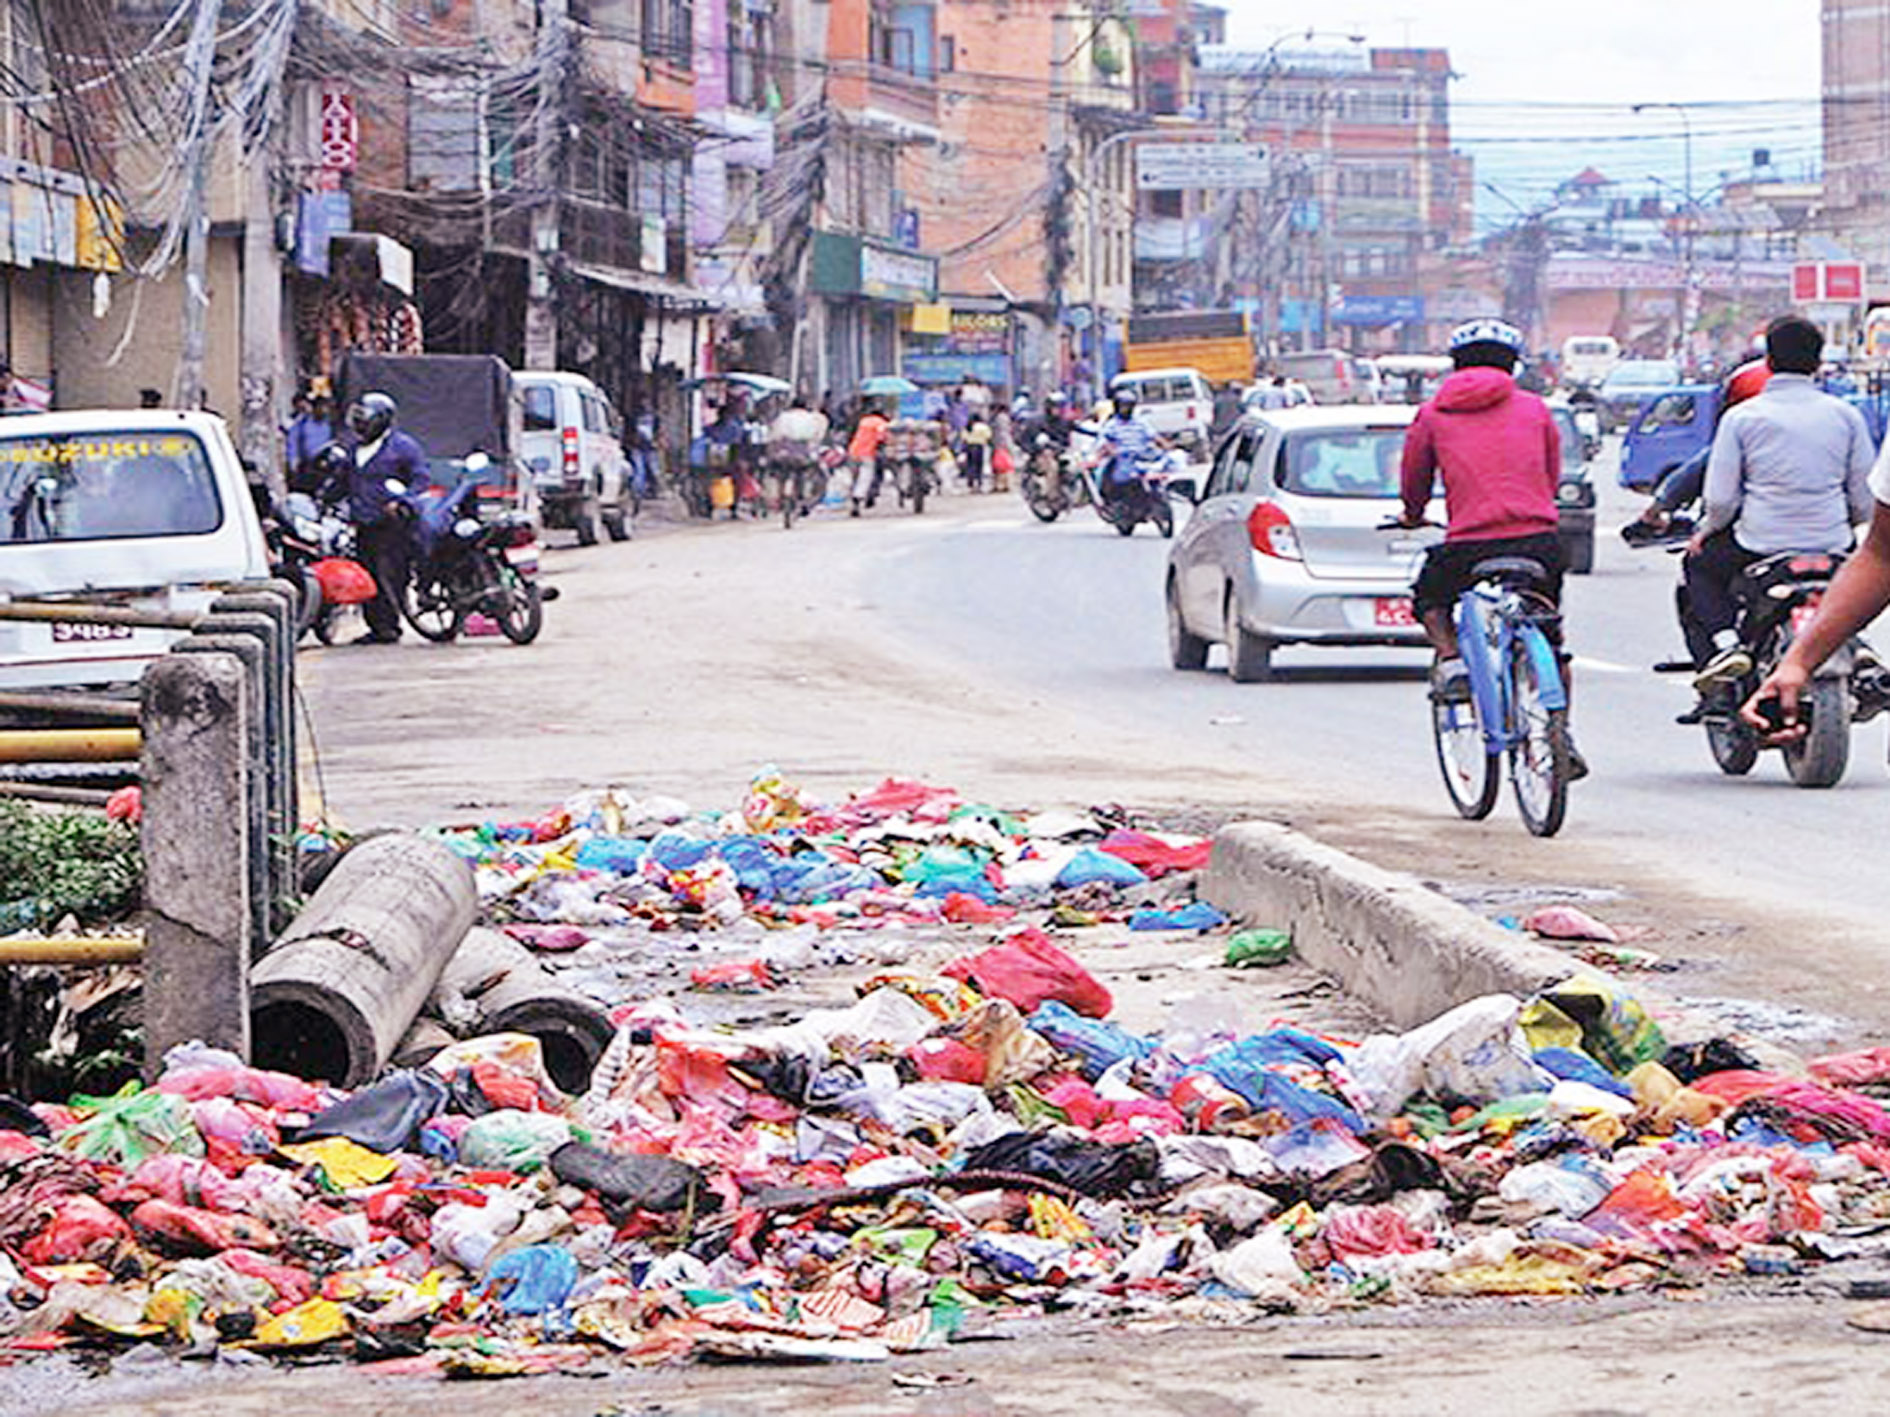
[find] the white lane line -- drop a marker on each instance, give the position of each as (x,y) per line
(1604,666)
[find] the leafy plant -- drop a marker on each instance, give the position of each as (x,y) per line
(55,863)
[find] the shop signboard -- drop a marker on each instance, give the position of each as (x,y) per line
(897,275)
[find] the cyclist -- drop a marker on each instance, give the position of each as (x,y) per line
(794,440)
(1497,452)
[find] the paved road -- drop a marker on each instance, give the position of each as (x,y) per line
(1074,611)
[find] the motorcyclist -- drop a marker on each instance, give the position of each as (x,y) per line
(1789,471)
(389,465)
(1124,443)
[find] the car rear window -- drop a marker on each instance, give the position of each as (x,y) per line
(106,485)
(1349,462)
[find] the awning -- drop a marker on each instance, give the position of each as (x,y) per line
(646,284)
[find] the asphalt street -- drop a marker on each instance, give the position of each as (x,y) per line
(1074,611)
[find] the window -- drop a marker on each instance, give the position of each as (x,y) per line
(593,413)
(104,486)
(669,30)
(1164,204)
(541,408)
(947,53)
(1669,411)
(1354,463)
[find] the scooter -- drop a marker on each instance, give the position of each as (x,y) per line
(1125,502)
(312,546)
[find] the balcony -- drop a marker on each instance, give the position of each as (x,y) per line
(1174,238)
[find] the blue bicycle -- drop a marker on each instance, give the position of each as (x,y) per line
(1518,703)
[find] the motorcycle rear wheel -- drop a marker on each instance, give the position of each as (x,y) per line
(433,610)
(1820,757)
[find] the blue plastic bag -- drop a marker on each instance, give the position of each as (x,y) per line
(619,855)
(1090,865)
(1198,916)
(1097,1045)
(533,1280)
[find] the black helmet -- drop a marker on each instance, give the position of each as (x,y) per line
(1055,399)
(329,467)
(371,415)
(1124,401)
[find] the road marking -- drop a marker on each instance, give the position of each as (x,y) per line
(1603,666)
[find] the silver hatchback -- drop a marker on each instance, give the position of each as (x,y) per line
(1284,546)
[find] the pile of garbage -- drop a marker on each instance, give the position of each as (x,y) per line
(951,1147)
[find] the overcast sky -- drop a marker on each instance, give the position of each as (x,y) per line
(1546,89)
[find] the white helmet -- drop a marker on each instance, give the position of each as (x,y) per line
(1487,330)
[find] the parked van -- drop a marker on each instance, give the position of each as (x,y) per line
(1588,359)
(1333,375)
(149,509)
(573,445)
(1177,403)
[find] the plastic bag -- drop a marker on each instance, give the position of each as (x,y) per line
(344,582)
(1029,970)
(1473,1054)
(1262,1267)
(656,1183)
(1565,922)
(1076,1162)
(385,1116)
(1089,865)
(80,1228)
(130,1125)
(1198,915)
(1156,856)
(1096,1044)
(1615,1030)
(513,1141)
(533,1280)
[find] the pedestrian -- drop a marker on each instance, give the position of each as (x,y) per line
(311,430)
(1004,452)
(863,448)
(977,445)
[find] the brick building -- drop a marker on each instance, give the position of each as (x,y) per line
(1856,104)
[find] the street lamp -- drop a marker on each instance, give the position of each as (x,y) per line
(1684,322)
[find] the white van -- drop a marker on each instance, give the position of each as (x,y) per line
(1177,403)
(573,445)
(1588,359)
(142,508)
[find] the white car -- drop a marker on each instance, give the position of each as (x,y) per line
(1176,403)
(1284,545)
(573,449)
(148,509)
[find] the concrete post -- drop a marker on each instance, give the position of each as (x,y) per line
(196,724)
(234,612)
(252,762)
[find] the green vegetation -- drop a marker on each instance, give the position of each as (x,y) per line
(54,864)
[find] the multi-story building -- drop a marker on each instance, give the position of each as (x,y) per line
(1366,185)
(1856,102)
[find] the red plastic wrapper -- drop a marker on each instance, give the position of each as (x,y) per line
(947,1060)
(962,908)
(504,1088)
(1154,857)
(291,1284)
(126,805)
(1353,1230)
(748,976)
(1852,1069)
(1027,969)
(201,1232)
(81,1228)
(276,1090)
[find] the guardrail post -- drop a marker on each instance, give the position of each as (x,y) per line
(195,840)
(235,612)
(252,802)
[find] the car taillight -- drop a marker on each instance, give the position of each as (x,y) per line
(570,452)
(1271,532)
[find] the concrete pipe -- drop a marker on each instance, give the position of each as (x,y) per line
(336,994)
(493,984)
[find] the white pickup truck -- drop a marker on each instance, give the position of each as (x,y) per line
(130,507)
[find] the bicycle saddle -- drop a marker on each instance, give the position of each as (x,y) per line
(1511,570)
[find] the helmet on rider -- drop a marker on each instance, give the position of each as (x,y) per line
(1745,381)
(1056,401)
(1123,401)
(1486,343)
(371,415)
(328,468)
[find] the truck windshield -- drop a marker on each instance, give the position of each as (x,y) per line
(105,484)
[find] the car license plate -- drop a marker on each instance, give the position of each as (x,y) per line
(1804,614)
(82,632)
(1394,612)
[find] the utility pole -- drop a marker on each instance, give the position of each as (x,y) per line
(541,315)
(187,386)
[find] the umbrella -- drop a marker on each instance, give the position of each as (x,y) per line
(889,384)
(763,384)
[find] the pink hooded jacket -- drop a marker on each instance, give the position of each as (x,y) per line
(1499,453)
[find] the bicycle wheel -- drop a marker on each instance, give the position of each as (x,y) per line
(1539,745)
(1472,773)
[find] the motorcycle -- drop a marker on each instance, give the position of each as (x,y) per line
(1778,596)
(1588,424)
(312,546)
(1126,502)
(466,562)
(1052,484)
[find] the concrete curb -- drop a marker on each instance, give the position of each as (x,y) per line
(1388,940)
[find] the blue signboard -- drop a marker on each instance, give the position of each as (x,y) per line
(992,369)
(906,228)
(1379,310)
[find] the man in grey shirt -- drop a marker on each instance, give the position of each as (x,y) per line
(1790,471)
